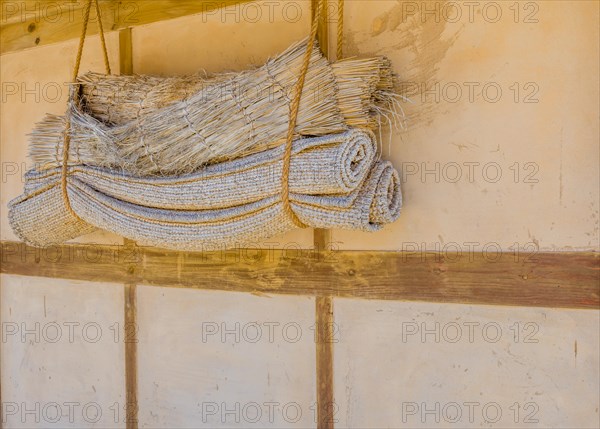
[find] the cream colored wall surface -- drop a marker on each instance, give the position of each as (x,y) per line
(222,359)
(544,58)
(230,39)
(62,353)
(553,203)
(34,82)
(424,365)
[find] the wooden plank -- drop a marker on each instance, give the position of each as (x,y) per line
(323,30)
(324,304)
(324,322)
(125,52)
(325,329)
(131,339)
(322,239)
(324,345)
(130,288)
(1,351)
(27,24)
(548,279)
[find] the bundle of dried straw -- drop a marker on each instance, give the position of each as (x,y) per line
(170,126)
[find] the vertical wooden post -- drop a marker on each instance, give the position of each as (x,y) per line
(324,348)
(125,52)
(130,338)
(1,347)
(323,30)
(324,304)
(130,289)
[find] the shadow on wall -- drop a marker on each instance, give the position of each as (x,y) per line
(422,32)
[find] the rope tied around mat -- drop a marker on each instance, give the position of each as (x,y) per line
(294,108)
(295,105)
(73,94)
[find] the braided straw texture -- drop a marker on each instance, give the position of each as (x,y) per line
(335,182)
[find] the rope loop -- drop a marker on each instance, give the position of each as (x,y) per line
(74,95)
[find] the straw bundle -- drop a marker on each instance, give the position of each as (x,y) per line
(362,84)
(116,99)
(153,126)
(335,182)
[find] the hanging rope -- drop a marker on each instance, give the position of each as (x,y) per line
(295,106)
(340,30)
(102,39)
(73,95)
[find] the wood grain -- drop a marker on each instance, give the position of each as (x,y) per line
(27,24)
(130,288)
(125,52)
(323,31)
(322,239)
(325,337)
(131,373)
(1,352)
(552,279)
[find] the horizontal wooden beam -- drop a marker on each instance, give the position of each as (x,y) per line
(553,279)
(26,23)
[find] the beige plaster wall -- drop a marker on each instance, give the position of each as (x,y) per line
(553,204)
(215,359)
(543,124)
(422,365)
(62,354)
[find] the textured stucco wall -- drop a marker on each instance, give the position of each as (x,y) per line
(511,88)
(549,134)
